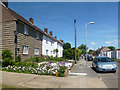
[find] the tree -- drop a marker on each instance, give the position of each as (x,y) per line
(111,48)
(83,48)
(66,46)
(68,53)
(79,52)
(56,51)
(90,51)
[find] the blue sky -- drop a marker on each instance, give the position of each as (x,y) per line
(59,18)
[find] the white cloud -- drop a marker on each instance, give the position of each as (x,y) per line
(93,43)
(114,42)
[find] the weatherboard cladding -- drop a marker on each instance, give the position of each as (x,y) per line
(14,16)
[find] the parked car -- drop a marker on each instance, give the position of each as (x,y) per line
(89,58)
(103,63)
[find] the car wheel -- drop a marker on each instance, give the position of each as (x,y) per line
(114,71)
(97,70)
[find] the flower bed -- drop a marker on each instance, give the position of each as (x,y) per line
(43,68)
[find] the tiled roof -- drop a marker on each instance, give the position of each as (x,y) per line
(12,15)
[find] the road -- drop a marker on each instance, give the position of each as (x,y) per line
(109,78)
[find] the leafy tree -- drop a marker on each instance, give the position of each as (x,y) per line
(56,50)
(68,53)
(111,48)
(79,52)
(83,48)
(66,46)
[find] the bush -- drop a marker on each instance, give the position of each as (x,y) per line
(7,61)
(7,58)
(7,54)
(18,58)
(61,72)
(34,59)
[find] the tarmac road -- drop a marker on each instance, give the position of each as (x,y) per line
(109,78)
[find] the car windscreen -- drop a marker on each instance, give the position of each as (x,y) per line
(104,59)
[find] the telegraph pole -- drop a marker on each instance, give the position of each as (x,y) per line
(75,39)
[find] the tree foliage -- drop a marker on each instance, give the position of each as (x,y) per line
(83,48)
(111,48)
(66,46)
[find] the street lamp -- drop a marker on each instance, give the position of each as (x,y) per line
(86,39)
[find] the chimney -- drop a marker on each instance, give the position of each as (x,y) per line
(31,20)
(5,2)
(55,37)
(50,33)
(46,30)
(60,40)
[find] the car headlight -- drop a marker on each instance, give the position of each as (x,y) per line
(99,65)
(114,65)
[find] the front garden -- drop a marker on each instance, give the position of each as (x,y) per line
(54,66)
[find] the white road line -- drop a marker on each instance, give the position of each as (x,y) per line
(79,74)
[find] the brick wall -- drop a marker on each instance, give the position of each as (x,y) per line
(28,40)
(8,29)
(22,39)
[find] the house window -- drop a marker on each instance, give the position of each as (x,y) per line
(25,49)
(37,36)
(46,52)
(25,29)
(47,40)
(51,52)
(36,51)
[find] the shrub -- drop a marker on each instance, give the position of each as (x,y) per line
(7,54)
(18,58)
(7,61)
(61,71)
(34,59)
(7,58)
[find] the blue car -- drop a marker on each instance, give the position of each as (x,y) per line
(103,63)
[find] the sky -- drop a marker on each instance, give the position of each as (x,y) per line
(59,18)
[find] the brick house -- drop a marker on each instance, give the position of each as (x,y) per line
(19,35)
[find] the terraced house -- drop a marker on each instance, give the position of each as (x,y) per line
(23,38)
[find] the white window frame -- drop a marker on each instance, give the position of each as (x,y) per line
(37,36)
(36,51)
(25,50)
(25,29)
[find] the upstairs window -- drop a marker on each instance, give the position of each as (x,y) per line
(37,36)
(25,30)
(47,41)
(36,51)
(25,49)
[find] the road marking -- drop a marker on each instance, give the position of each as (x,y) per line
(78,74)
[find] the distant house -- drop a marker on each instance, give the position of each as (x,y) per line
(23,38)
(101,50)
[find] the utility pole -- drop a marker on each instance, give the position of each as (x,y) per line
(75,39)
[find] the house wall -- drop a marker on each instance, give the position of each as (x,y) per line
(8,29)
(46,45)
(28,40)
(60,49)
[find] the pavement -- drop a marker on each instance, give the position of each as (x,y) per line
(79,77)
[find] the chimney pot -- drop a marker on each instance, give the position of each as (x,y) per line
(31,20)
(55,37)
(46,30)
(50,33)
(5,2)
